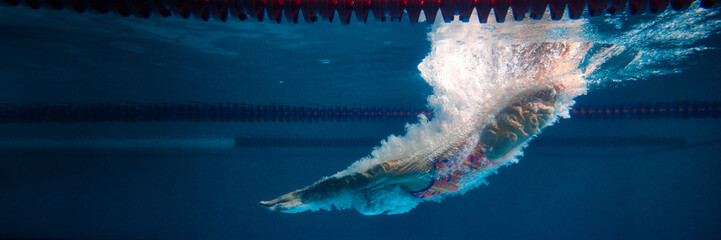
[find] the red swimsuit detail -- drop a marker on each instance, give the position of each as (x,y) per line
(448,183)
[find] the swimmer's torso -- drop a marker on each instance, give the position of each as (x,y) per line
(447,179)
(514,125)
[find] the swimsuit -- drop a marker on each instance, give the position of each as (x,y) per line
(445,182)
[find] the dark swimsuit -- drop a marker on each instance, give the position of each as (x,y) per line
(448,183)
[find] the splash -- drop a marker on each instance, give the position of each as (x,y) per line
(477,69)
(650,45)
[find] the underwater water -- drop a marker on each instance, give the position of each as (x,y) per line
(579,179)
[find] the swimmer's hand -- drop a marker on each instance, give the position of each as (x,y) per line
(288,203)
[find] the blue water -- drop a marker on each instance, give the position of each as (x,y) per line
(555,192)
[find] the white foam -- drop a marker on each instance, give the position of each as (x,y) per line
(476,70)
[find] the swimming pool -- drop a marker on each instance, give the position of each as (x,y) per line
(201,173)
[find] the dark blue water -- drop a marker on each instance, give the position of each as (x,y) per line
(557,191)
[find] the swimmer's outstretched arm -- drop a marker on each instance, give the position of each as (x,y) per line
(385,173)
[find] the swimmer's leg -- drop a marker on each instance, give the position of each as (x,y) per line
(386,173)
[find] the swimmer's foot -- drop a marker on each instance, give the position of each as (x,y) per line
(288,203)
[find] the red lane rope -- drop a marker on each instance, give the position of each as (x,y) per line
(382,10)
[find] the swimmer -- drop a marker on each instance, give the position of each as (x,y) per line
(515,124)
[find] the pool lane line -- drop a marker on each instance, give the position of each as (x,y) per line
(281,113)
(309,142)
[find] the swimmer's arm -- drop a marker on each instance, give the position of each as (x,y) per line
(330,187)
